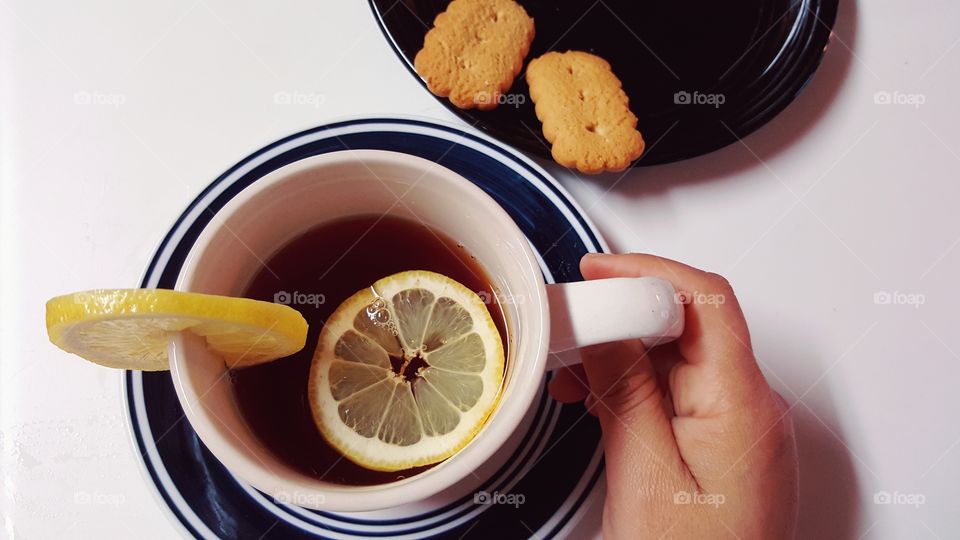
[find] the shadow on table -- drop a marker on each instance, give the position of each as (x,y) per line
(829,490)
(791,125)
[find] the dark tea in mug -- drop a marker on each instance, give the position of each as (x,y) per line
(313,274)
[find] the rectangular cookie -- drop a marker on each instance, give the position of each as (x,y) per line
(585,112)
(474,51)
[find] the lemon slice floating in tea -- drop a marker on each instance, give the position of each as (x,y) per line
(130,328)
(406,371)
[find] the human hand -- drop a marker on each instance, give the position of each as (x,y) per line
(696,443)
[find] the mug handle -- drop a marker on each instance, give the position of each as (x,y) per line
(586,313)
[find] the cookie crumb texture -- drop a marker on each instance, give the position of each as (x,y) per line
(585,112)
(474,51)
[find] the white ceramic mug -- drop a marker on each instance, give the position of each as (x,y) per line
(291,200)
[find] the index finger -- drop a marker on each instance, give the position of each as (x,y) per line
(715,332)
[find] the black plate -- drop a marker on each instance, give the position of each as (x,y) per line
(756,54)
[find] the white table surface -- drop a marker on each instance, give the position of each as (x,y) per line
(836,201)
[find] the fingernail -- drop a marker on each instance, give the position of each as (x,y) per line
(596,255)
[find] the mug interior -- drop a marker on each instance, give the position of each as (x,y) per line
(288,202)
